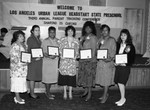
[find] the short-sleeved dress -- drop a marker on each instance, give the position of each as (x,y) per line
(67,67)
(18,70)
(105,70)
(87,68)
(50,66)
(35,67)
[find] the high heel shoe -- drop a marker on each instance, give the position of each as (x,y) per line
(70,97)
(19,102)
(65,97)
(23,100)
(84,95)
(88,98)
(117,102)
(100,98)
(51,97)
(37,97)
(121,103)
(105,99)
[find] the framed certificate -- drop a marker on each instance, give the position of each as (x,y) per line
(121,58)
(86,54)
(68,53)
(102,54)
(53,50)
(37,52)
(25,57)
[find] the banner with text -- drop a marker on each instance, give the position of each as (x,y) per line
(25,14)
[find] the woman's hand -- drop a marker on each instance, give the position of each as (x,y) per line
(52,57)
(38,58)
(119,64)
(127,49)
(107,60)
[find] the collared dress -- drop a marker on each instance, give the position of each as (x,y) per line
(18,69)
(67,67)
(105,70)
(50,66)
(35,67)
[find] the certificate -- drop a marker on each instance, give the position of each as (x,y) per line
(53,50)
(25,57)
(102,54)
(37,52)
(68,53)
(86,54)
(121,58)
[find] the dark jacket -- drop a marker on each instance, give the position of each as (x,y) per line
(130,55)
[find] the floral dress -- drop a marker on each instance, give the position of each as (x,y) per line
(18,69)
(87,67)
(67,67)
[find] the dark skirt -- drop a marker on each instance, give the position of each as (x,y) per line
(122,74)
(66,80)
(86,73)
(35,71)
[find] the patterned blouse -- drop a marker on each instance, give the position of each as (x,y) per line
(17,68)
(68,66)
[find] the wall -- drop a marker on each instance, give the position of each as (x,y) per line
(126,3)
(137,4)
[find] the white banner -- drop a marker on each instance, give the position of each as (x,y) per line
(28,14)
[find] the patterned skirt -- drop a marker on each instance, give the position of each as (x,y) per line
(86,74)
(18,85)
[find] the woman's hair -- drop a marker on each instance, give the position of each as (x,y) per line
(91,25)
(4,30)
(129,38)
(105,26)
(33,27)
(72,28)
(16,35)
(51,28)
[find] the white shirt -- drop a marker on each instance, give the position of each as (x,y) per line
(122,47)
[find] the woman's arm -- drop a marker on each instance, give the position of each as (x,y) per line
(15,54)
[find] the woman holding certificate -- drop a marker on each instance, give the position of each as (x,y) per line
(124,46)
(87,64)
(50,61)
(69,51)
(105,67)
(35,67)
(18,69)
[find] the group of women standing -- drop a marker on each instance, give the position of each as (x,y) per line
(63,71)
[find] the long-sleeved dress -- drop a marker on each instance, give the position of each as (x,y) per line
(67,67)
(35,67)
(18,70)
(105,70)
(50,66)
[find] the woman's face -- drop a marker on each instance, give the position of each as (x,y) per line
(52,33)
(70,32)
(36,31)
(21,38)
(123,37)
(88,30)
(105,32)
